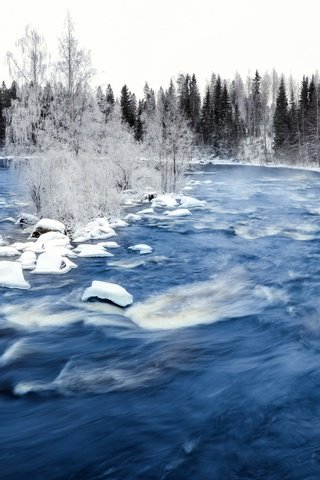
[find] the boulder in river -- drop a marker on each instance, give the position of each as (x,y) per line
(46,225)
(108,291)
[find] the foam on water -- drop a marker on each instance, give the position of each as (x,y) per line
(230,295)
(254,232)
(81,375)
(14,352)
(40,316)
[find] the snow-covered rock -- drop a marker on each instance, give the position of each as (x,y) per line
(117,222)
(11,275)
(9,252)
(108,244)
(28,260)
(47,225)
(92,251)
(53,263)
(165,200)
(27,219)
(108,291)
(82,238)
(97,229)
(132,217)
(181,212)
(60,250)
(34,247)
(22,245)
(52,236)
(50,240)
(99,233)
(146,211)
(190,202)
(142,248)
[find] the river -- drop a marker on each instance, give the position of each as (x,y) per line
(214,373)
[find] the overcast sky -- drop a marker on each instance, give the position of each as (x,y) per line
(133,41)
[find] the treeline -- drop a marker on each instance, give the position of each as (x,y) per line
(7,94)
(264,118)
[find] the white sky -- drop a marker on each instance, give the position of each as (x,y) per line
(133,41)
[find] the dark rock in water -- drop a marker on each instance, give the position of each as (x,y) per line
(149,196)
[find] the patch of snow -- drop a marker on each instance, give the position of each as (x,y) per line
(117,222)
(9,252)
(146,211)
(27,219)
(52,263)
(142,248)
(49,236)
(97,229)
(82,239)
(132,217)
(108,291)
(100,233)
(108,244)
(21,245)
(47,225)
(165,200)
(190,202)
(28,260)
(92,251)
(34,247)
(11,275)
(63,251)
(181,212)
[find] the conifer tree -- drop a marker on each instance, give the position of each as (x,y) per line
(281,121)
(303,107)
(128,106)
(138,127)
(109,101)
(256,105)
(195,104)
(207,118)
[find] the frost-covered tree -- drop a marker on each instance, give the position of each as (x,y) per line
(169,139)
(130,169)
(29,66)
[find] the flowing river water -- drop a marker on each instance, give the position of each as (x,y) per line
(213,373)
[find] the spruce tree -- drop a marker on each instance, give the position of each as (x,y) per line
(256,105)
(138,127)
(281,121)
(109,101)
(217,116)
(303,107)
(195,104)
(128,106)
(207,118)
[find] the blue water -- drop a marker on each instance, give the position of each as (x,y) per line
(87,393)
